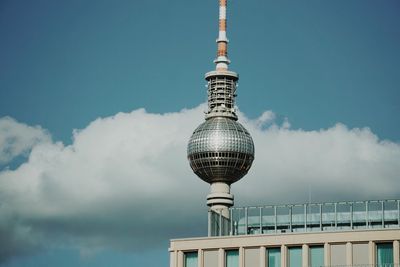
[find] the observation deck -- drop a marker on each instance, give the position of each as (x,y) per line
(307,217)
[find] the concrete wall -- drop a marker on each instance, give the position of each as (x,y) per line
(340,248)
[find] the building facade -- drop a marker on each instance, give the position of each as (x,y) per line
(344,248)
(362,233)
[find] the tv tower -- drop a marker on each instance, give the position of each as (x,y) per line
(221,150)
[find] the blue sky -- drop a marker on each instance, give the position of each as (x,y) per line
(68,65)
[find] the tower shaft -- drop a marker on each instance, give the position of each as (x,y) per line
(220,198)
(221,85)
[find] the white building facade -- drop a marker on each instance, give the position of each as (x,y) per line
(279,236)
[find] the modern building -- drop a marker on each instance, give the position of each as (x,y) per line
(221,151)
(361,233)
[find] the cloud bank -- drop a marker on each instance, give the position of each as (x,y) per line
(18,138)
(124,182)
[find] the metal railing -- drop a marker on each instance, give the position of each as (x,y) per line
(308,217)
(361,265)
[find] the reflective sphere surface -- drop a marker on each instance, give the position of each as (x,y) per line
(220,150)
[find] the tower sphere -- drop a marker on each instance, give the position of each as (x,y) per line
(220,150)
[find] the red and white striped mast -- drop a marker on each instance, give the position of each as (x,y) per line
(222,60)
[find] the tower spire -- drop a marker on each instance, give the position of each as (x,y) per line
(221,150)
(222,60)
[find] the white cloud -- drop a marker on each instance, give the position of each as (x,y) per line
(265,118)
(17,138)
(332,164)
(125,182)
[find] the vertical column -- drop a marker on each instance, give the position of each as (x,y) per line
(305,217)
(200,258)
(371,253)
(221,257)
(275,220)
(396,252)
(351,215)
(349,253)
(305,255)
(180,259)
(327,254)
(383,214)
(320,217)
(241,257)
(173,256)
(335,216)
(209,222)
(261,221)
(231,223)
(366,214)
(263,256)
(283,256)
(220,223)
(246,214)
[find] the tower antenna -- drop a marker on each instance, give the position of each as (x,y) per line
(222,60)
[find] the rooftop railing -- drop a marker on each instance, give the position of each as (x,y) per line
(361,265)
(307,217)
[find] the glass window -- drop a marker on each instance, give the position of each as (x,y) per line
(294,257)
(232,258)
(274,257)
(316,256)
(384,254)
(190,259)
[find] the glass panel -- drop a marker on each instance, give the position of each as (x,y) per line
(283,219)
(232,258)
(375,214)
(328,216)
(384,254)
(254,220)
(268,219)
(239,221)
(359,215)
(295,259)
(390,213)
(313,217)
(316,256)
(190,259)
(298,218)
(274,257)
(343,215)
